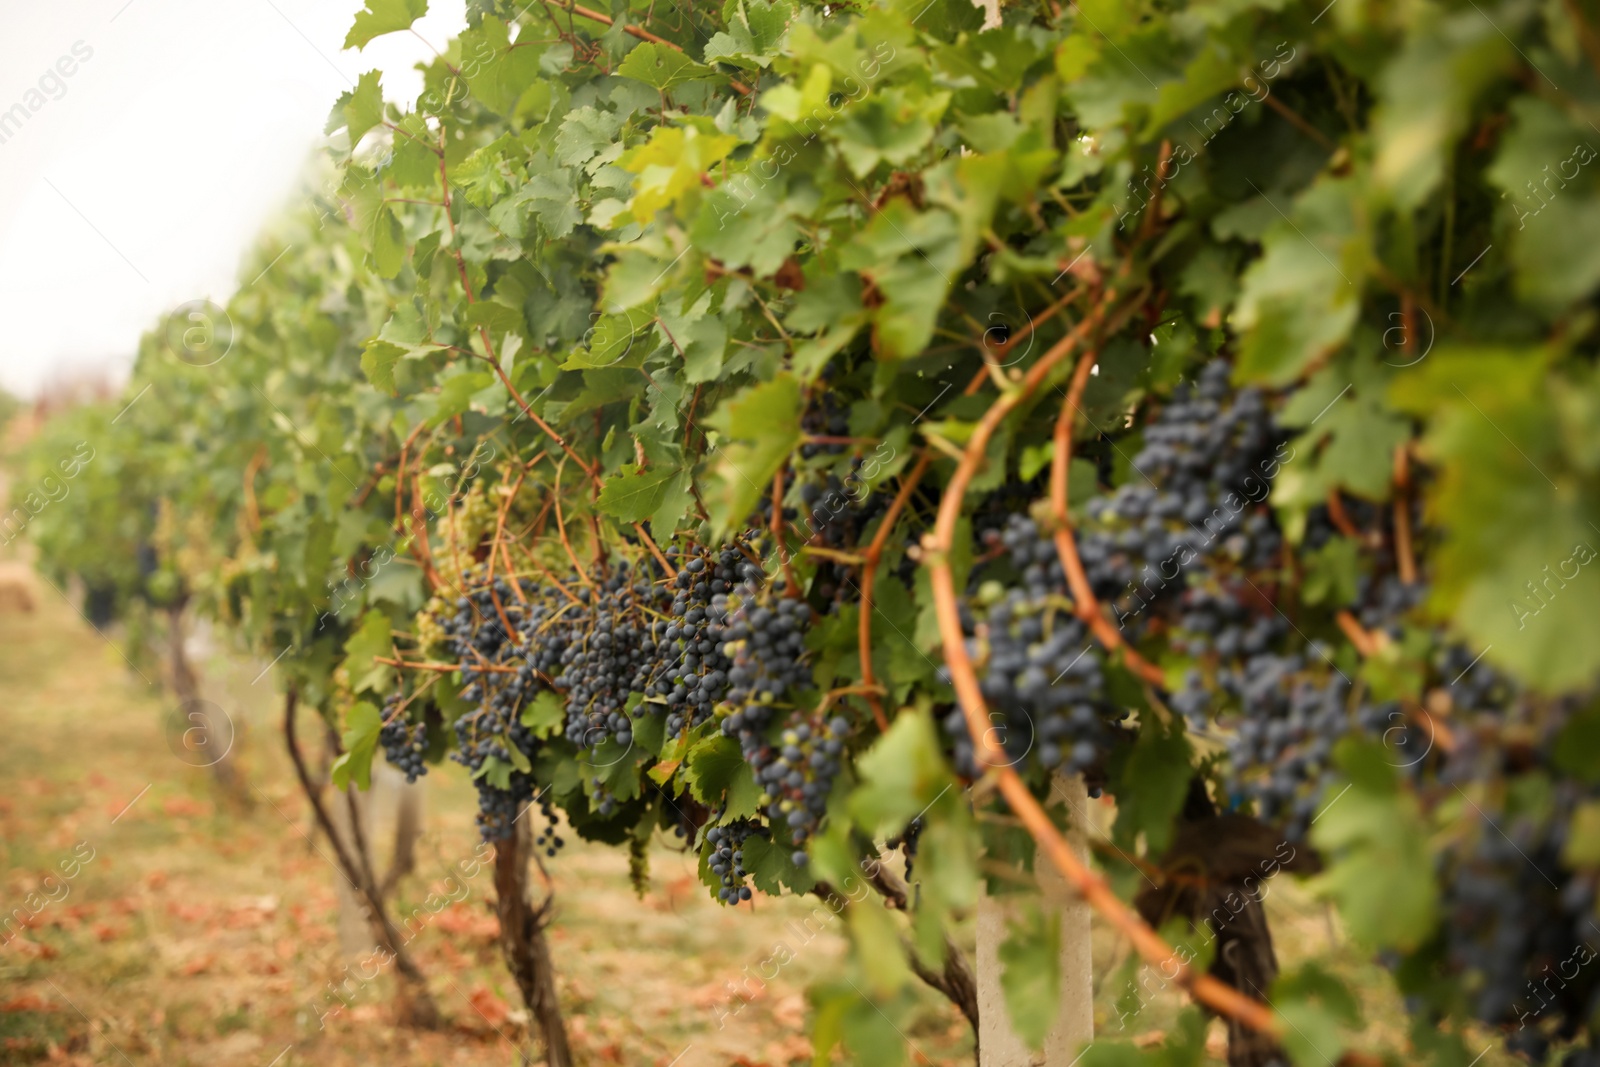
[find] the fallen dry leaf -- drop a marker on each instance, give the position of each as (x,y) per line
(490,1008)
(28,1002)
(184,806)
(198,965)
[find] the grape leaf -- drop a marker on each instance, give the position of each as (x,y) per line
(360,740)
(661,67)
(383,16)
(635,493)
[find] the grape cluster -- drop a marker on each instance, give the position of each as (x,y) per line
(1522,927)
(692,671)
(499,679)
(726,857)
(547,838)
(403,743)
(605,651)
(623,641)
(1167,552)
(1381,603)
(766,647)
(1042,675)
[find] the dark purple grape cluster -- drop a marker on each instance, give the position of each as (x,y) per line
(691,670)
(547,838)
(404,743)
(766,644)
(497,677)
(605,651)
(1383,602)
(623,641)
(726,857)
(1522,926)
(1042,674)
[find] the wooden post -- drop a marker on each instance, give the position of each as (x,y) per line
(998,1044)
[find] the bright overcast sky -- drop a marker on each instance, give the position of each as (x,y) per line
(142,178)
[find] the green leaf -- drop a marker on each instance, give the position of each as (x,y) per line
(753,34)
(710,768)
(700,335)
(360,740)
(877,945)
(1332,572)
(363,106)
(762,426)
(1425,95)
(585,133)
(912,258)
(890,127)
(772,869)
(496,772)
(614,341)
(635,493)
(1156,773)
(372,639)
(383,16)
(1031,977)
(1381,869)
(661,67)
(1545,171)
(495,317)
(1316,1005)
(1577,746)
(1299,301)
(545,714)
(902,775)
(378,359)
(387,241)
(1516,574)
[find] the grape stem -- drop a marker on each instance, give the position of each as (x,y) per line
(495,544)
(1085,605)
(561,528)
(443,668)
(252,511)
(419,529)
(642,34)
(1405,559)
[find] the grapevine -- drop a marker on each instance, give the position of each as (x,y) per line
(794,430)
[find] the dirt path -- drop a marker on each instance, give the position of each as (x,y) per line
(166,929)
